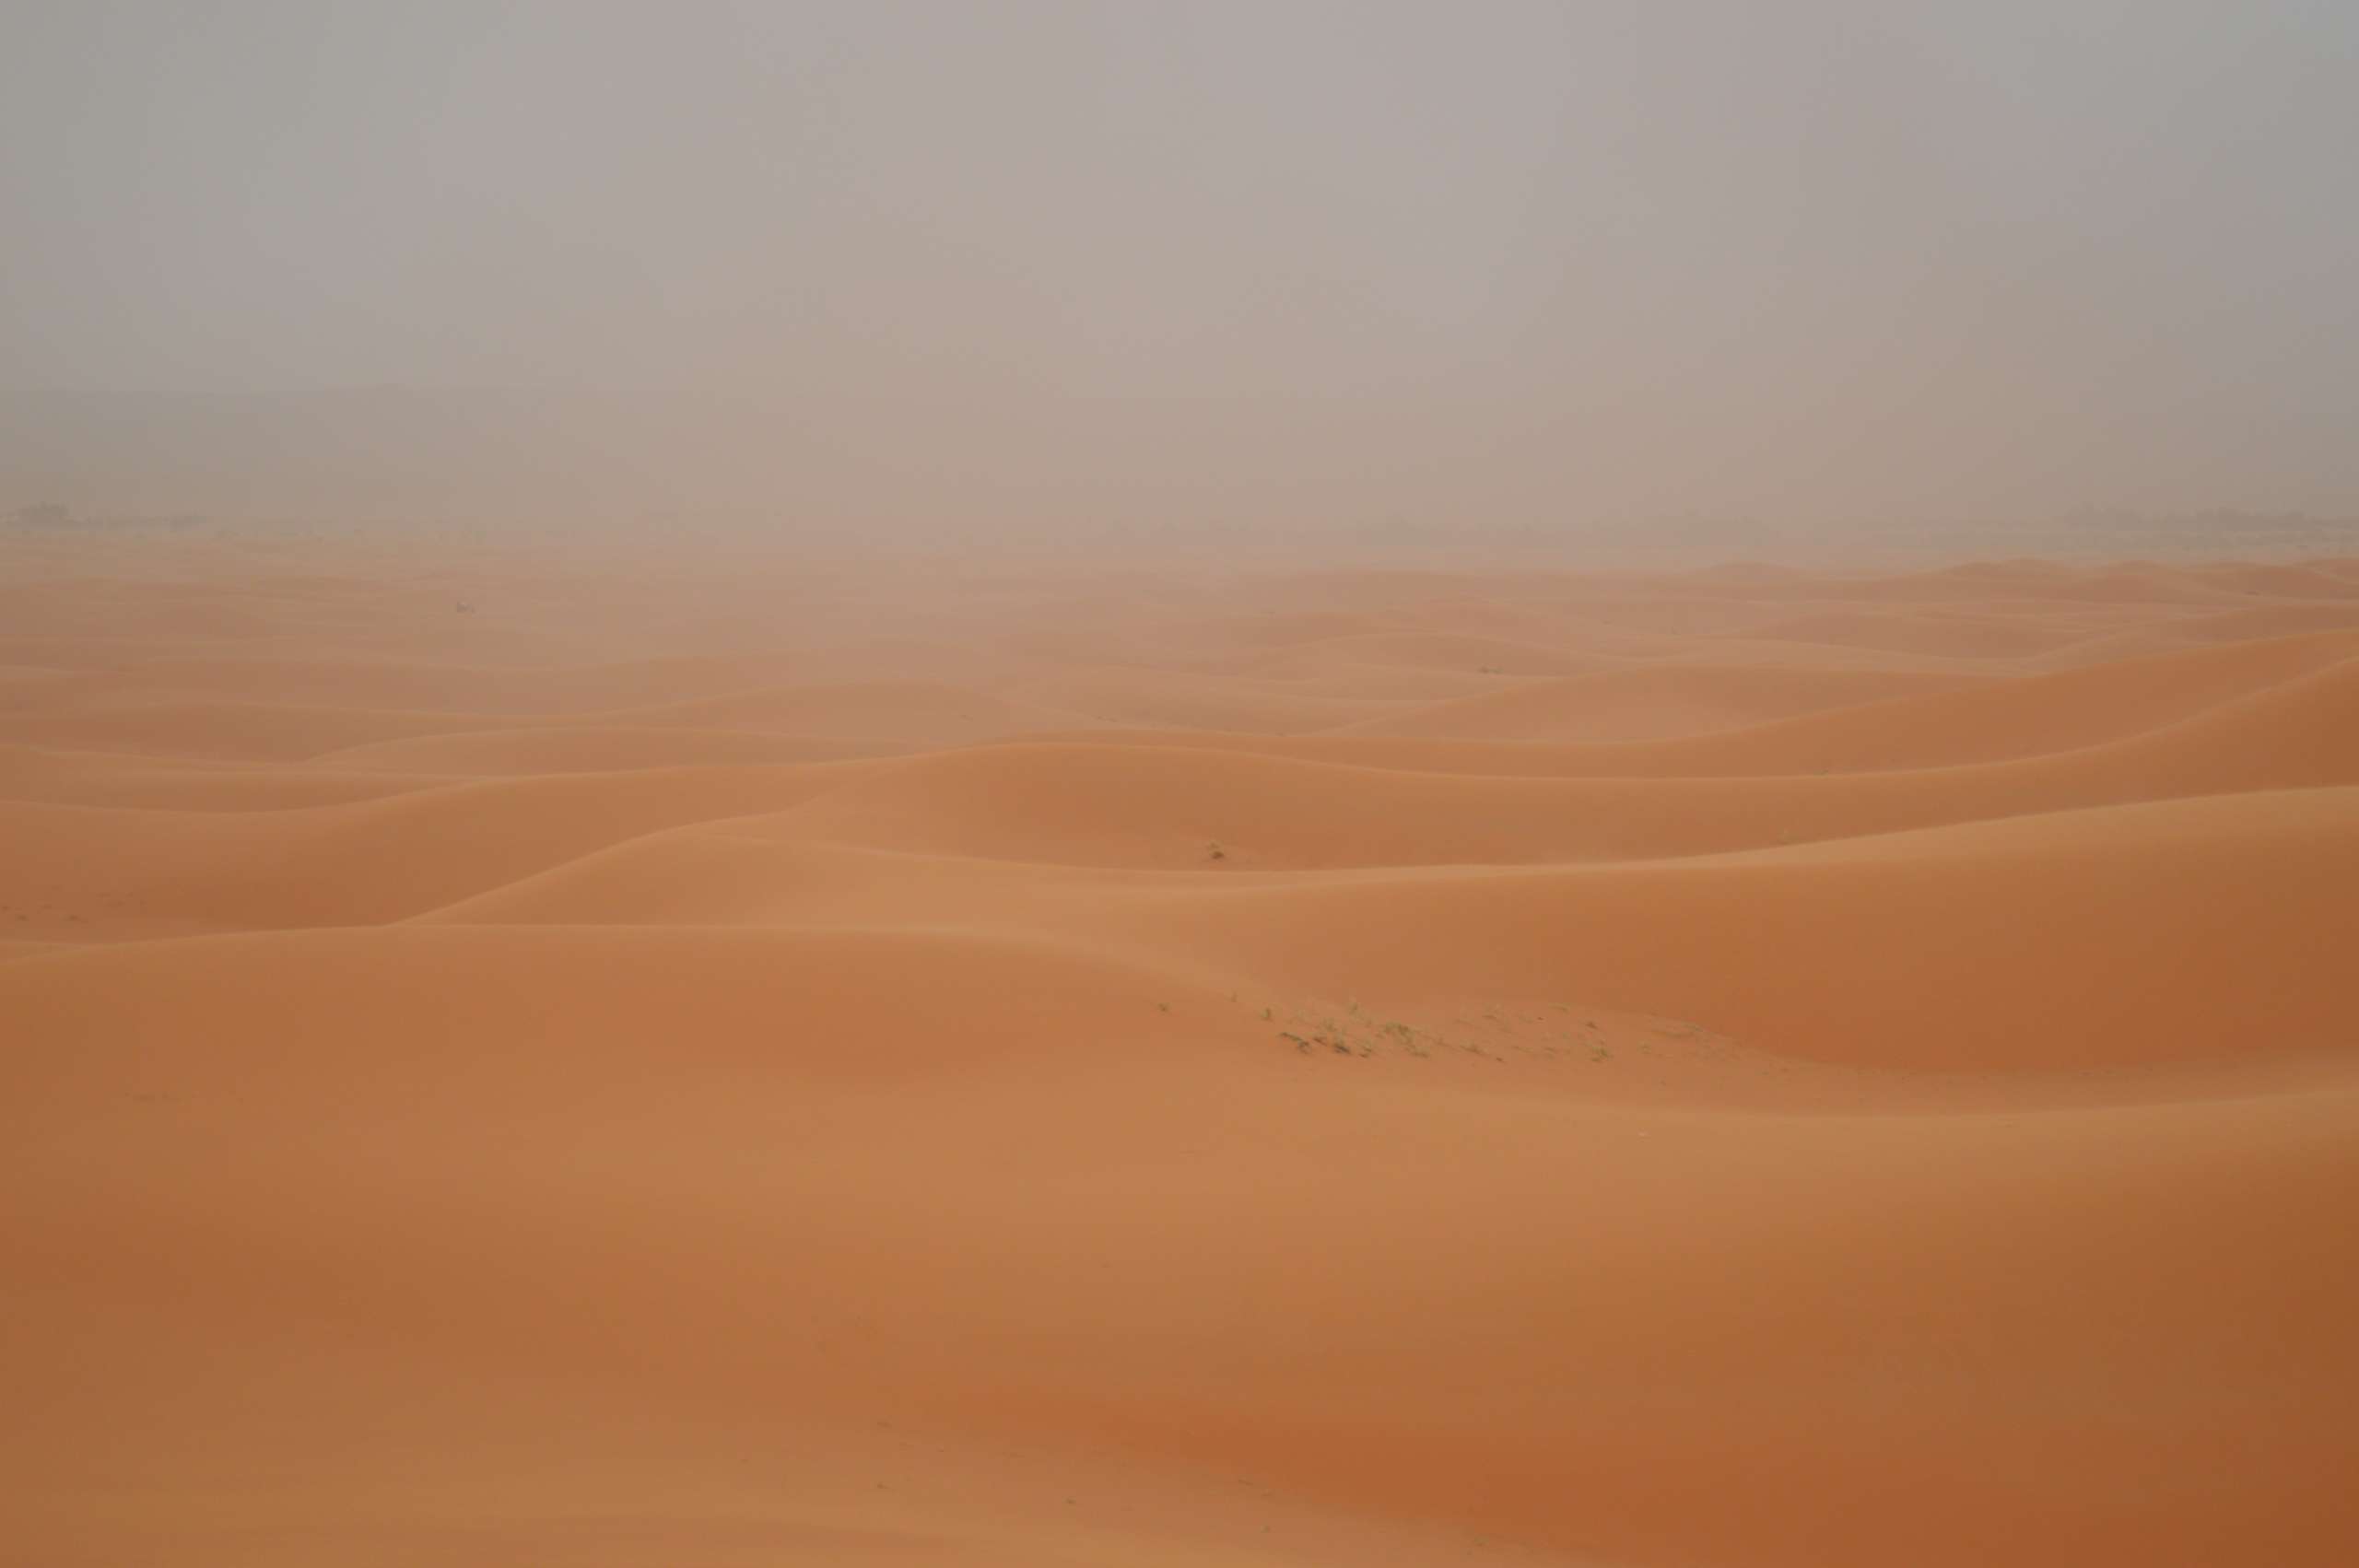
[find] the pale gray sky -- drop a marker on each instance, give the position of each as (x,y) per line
(1265,258)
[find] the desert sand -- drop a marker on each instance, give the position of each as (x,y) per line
(927,1065)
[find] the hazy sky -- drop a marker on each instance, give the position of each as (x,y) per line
(1513,259)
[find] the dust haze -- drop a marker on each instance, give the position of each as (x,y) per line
(1125,272)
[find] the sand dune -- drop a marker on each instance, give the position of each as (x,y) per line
(67,777)
(1957,636)
(1646,704)
(2276,620)
(1454,651)
(1749,1066)
(1142,806)
(587,748)
(881,711)
(224,731)
(2132,582)
(444,687)
(2023,719)
(361,863)
(1198,700)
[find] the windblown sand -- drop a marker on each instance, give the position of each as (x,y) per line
(909,1067)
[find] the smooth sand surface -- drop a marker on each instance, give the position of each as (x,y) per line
(943,1066)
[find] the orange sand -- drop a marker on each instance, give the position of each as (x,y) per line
(1726,1068)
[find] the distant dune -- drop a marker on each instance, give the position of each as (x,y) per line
(1751,1066)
